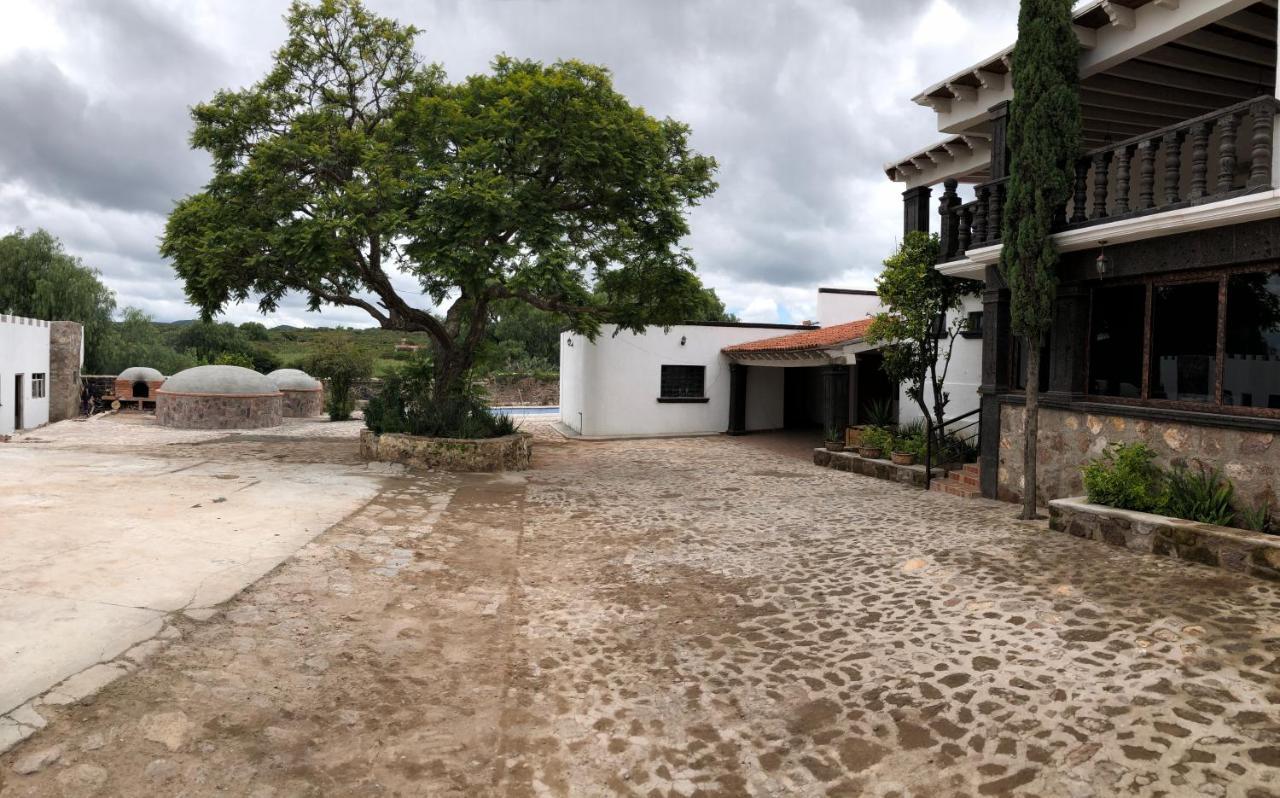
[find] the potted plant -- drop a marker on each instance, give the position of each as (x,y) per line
(908,444)
(835,440)
(902,458)
(874,441)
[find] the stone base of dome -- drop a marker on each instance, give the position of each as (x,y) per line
(197,411)
(303,404)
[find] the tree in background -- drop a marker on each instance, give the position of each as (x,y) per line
(917,300)
(351,161)
(39,280)
(135,340)
(213,342)
(1044,143)
(340,364)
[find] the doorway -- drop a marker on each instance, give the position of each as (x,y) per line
(17,402)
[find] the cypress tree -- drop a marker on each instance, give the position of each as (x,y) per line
(1044,143)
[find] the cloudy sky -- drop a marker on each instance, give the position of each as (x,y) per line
(801,101)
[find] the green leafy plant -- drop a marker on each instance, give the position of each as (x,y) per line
(833,434)
(878,413)
(877,438)
(340,364)
(1203,495)
(1126,477)
(233,359)
(910,438)
(1257,519)
(404,405)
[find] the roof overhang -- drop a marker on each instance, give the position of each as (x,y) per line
(780,359)
(967,158)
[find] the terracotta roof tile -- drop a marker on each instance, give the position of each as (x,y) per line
(821,338)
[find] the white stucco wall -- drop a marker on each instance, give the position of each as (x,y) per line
(837,307)
(610,387)
(24,349)
(964,376)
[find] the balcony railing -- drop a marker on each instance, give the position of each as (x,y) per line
(1213,157)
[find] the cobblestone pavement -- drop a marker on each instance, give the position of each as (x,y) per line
(693,617)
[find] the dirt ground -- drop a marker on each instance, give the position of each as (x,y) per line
(687,617)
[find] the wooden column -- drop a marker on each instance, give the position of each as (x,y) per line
(1069,341)
(915,209)
(835,397)
(737,399)
(997,339)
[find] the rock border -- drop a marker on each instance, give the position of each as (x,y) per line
(481,455)
(880,469)
(1238,550)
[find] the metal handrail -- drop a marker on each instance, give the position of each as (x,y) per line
(941,431)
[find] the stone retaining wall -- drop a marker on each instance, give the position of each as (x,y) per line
(1070,439)
(212,411)
(508,453)
(880,469)
(303,404)
(1237,550)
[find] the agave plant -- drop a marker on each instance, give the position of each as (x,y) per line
(1203,495)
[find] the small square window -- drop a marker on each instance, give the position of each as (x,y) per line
(37,386)
(682,383)
(972,325)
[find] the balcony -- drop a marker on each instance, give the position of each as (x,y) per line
(1207,159)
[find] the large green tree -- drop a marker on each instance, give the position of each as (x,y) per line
(1044,143)
(360,177)
(38,279)
(920,322)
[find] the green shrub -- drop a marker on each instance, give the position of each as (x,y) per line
(234,359)
(1257,519)
(404,405)
(340,364)
(877,438)
(1126,477)
(911,437)
(878,413)
(1203,495)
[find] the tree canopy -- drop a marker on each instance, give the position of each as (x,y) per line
(358,176)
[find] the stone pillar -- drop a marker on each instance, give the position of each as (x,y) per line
(835,397)
(1069,342)
(997,348)
(737,399)
(915,209)
(66,354)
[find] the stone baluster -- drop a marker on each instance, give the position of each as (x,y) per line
(980,215)
(963,234)
(1227,153)
(1172,166)
(1123,157)
(1200,160)
(950,222)
(1101,173)
(1079,200)
(1263,113)
(1147,175)
(995,211)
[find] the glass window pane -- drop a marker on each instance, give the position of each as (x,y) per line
(1184,342)
(1251,375)
(1116,336)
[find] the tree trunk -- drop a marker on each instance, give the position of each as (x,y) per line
(1030,430)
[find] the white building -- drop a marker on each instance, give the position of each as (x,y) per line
(24,373)
(729,377)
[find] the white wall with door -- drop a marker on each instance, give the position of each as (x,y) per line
(663,382)
(24,373)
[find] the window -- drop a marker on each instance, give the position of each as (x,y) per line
(682,384)
(1117,330)
(972,325)
(37,386)
(1020,366)
(1251,371)
(1210,340)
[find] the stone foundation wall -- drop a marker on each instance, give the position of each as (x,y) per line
(208,411)
(303,404)
(66,341)
(508,453)
(1070,439)
(880,469)
(1221,547)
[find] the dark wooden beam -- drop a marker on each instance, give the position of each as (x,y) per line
(1161,68)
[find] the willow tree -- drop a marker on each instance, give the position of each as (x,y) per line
(357,176)
(1044,143)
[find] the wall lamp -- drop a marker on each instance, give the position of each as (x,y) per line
(682,340)
(1103,263)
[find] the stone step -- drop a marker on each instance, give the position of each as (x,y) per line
(953,487)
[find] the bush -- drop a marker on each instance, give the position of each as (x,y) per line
(340,364)
(1126,477)
(1257,519)
(234,359)
(1204,495)
(404,405)
(911,438)
(877,438)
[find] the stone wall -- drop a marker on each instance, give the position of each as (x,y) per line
(213,411)
(1069,439)
(303,404)
(66,340)
(508,453)
(880,469)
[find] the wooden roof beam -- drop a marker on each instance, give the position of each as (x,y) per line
(1238,49)
(1179,70)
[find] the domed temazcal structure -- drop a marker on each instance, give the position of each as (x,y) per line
(219,397)
(138,384)
(303,394)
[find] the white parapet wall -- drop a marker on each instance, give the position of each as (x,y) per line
(24,373)
(612,386)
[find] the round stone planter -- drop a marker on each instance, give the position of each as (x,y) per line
(487,455)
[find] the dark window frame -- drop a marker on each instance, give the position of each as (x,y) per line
(972,325)
(1222,276)
(676,389)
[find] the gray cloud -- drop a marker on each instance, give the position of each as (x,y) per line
(800,100)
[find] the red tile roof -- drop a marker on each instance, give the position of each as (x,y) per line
(821,338)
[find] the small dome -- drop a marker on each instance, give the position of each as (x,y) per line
(141,373)
(294,380)
(232,380)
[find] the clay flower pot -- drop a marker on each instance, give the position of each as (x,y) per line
(835,446)
(870,452)
(904,458)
